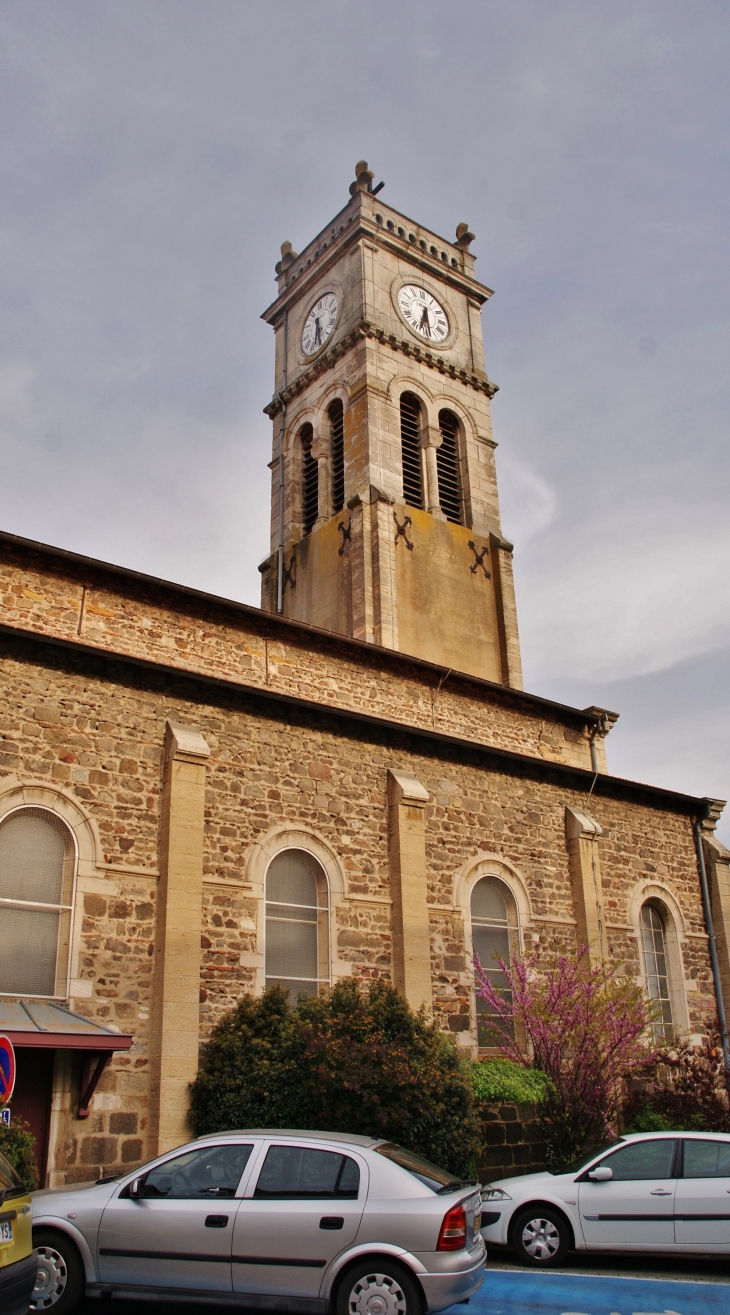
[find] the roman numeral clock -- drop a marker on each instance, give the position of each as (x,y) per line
(385,515)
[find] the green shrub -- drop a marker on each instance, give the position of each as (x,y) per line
(685,1087)
(348,1062)
(16,1144)
(502,1081)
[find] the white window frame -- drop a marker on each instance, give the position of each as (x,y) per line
(324,912)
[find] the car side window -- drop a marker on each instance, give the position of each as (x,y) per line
(648,1159)
(297,1173)
(210,1172)
(707,1159)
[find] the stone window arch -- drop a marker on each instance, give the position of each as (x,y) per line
(495,935)
(449,467)
(297,918)
(38,866)
(411,421)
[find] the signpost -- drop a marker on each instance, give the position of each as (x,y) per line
(7,1074)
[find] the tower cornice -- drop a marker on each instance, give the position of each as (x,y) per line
(365,329)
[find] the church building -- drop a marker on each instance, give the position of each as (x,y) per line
(198,797)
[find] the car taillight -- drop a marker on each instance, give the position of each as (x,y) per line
(453,1230)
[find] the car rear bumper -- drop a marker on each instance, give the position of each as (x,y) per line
(16,1284)
(442,1290)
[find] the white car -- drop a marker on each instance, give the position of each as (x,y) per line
(656,1191)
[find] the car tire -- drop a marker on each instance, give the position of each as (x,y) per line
(378,1286)
(540,1237)
(61,1281)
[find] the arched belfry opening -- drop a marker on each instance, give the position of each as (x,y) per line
(410,446)
(336,415)
(448,465)
(310,479)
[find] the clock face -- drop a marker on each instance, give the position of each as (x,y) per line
(423,313)
(319,323)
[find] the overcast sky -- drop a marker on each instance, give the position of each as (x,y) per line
(153,157)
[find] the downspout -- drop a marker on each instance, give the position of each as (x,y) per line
(280,550)
(721,1016)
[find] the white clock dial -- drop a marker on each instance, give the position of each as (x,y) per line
(425,315)
(319,323)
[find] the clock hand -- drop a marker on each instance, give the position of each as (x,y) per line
(425,325)
(317,332)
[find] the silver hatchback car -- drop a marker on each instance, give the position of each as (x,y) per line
(277,1220)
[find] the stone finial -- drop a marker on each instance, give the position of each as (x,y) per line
(363,178)
(288,254)
(463,236)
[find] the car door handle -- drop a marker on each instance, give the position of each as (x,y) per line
(332,1221)
(216,1221)
(660,1191)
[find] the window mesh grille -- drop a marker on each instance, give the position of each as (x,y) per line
(449,468)
(337,454)
(37,861)
(410,433)
(310,479)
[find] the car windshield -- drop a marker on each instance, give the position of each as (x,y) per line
(439,1180)
(575,1166)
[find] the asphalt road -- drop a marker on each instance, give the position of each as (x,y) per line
(585,1285)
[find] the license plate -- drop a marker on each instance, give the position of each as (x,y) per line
(6,1232)
(477,1225)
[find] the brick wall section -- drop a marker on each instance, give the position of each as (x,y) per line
(113,613)
(509,1142)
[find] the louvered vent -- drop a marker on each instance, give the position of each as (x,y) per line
(310,480)
(449,469)
(337,454)
(410,431)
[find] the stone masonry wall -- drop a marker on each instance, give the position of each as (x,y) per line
(509,1142)
(96,727)
(116,614)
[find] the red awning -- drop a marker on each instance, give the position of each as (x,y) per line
(42,1023)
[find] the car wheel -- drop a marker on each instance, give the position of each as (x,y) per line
(378,1287)
(61,1280)
(540,1237)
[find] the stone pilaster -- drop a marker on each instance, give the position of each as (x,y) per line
(582,835)
(175,1026)
(506,609)
(717,863)
(407,799)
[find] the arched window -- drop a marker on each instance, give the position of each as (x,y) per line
(310,479)
(410,442)
(448,464)
(297,923)
(495,936)
(37,875)
(656,968)
(336,413)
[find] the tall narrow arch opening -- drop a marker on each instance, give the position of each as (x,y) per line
(495,938)
(310,479)
(657,967)
(37,885)
(297,924)
(336,414)
(410,442)
(448,465)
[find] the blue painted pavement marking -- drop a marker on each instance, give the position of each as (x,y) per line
(506,1292)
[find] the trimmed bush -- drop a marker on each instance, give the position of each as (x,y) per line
(348,1062)
(501,1081)
(16,1144)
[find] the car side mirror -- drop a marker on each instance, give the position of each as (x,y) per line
(601,1175)
(136,1188)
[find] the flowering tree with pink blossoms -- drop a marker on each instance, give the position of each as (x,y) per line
(585,1027)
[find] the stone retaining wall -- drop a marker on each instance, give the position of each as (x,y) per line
(509,1142)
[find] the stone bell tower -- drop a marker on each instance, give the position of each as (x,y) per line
(385,517)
